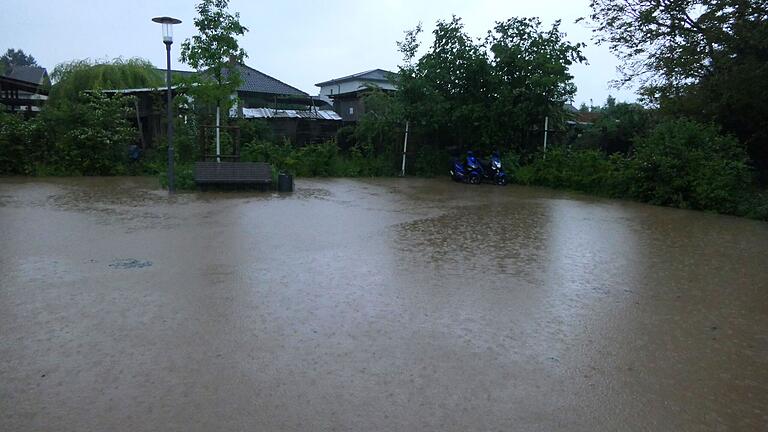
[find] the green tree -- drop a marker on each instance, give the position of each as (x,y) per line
(617,128)
(72,78)
(445,91)
(84,131)
(530,65)
(214,52)
(466,92)
(706,59)
(668,44)
(379,129)
(14,57)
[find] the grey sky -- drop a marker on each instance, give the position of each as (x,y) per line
(301,42)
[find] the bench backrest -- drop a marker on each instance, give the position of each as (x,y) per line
(233,172)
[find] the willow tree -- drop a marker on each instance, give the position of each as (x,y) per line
(214,52)
(72,78)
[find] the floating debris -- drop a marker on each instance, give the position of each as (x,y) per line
(130,264)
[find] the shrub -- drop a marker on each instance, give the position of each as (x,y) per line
(755,206)
(186,148)
(682,163)
(89,136)
(14,145)
(430,161)
(318,160)
(281,155)
(583,170)
(183,175)
(253,130)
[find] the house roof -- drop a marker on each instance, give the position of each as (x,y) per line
(33,74)
(254,81)
(371,75)
(259,82)
(8,83)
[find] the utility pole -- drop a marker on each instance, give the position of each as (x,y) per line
(405,148)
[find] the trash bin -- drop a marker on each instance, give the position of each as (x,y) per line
(284,182)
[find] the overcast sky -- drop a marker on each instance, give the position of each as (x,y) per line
(300,42)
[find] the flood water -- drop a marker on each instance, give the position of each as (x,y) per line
(375,305)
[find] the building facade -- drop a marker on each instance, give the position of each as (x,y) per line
(24,88)
(347,92)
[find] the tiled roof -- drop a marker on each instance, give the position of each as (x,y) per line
(255,82)
(259,82)
(33,74)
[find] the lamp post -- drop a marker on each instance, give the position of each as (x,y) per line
(168,24)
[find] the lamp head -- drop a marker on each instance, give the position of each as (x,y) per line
(168,24)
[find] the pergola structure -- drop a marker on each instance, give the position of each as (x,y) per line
(19,95)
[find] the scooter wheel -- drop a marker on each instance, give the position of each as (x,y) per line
(474,179)
(501,181)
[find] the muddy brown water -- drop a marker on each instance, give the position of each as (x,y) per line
(375,305)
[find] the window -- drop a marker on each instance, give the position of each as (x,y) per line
(331,91)
(351,110)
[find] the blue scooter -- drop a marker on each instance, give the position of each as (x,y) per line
(469,171)
(492,172)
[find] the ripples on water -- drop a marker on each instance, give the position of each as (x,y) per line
(485,307)
(469,239)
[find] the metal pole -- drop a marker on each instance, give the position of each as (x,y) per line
(218,133)
(405,147)
(546,129)
(171,187)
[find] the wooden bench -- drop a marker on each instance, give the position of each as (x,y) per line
(233,174)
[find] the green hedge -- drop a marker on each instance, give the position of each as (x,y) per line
(682,163)
(679,163)
(88,137)
(319,160)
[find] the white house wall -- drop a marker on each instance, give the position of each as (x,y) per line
(351,86)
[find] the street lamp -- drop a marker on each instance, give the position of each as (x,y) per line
(168,24)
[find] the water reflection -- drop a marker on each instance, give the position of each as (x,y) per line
(592,251)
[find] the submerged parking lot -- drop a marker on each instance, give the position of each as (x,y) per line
(387,304)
